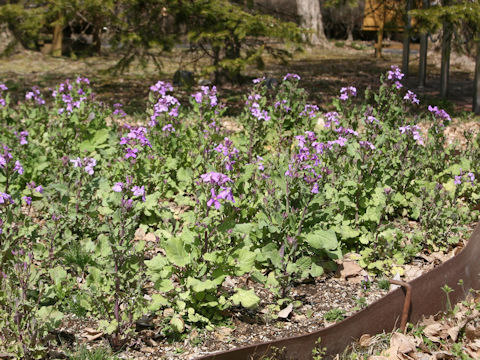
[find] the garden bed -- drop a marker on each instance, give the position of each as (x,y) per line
(183,231)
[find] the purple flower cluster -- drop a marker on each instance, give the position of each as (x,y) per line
(35,95)
(135,190)
(22,137)
(70,96)
(118,110)
(306,163)
(367,145)
(168,128)
(2,89)
(331,117)
(166,104)
(346,131)
(394,75)
(218,180)
(370,119)
(258,80)
(136,137)
(5,198)
(281,104)
(87,163)
(439,113)
(228,153)
(414,130)
(310,111)
(6,158)
(347,92)
(412,97)
(34,187)
(291,76)
(470,175)
(209,95)
(255,108)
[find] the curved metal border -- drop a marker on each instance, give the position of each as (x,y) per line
(383,315)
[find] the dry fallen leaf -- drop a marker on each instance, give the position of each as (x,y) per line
(404,343)
(365,340)
(351,269)
(391,352)
(150,237)
(453,332)
(472,332)
(92,334)
(223,332)
(284,313)
(438,355)
(433,332)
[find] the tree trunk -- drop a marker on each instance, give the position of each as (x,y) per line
(406,39)
(422,66)
(446,49)
(311,18)
(379,44)
(57,40)
(476,84)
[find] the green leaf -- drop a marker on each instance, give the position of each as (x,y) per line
(322,240)
(58,275)
(246,298)
(245,260)
(158,301)
(316,270)
(199,285)
(177,324)
(176,252)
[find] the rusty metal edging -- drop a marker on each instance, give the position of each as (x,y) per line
(427,298)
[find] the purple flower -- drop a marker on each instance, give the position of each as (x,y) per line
(89,165)
(76,162)
(315,188)
(414,131)
(131,153)
(5,198)
(258,80)
(127,203)
(118,187)
(3,87)
(138,190)
(347,92)
(439,113)
(412,97)
(39,189)
(291,76)
(168,128)
(331,117)
(458,180)
(215,178)
(27,199)
(18,167)
(367,145)
(471,176)
(22,137)
(371,119)
(214,200)
(395,73)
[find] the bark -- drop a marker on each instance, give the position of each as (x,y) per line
(445,67)
(311,18)
(476,84)
(57,40)
(422,66)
